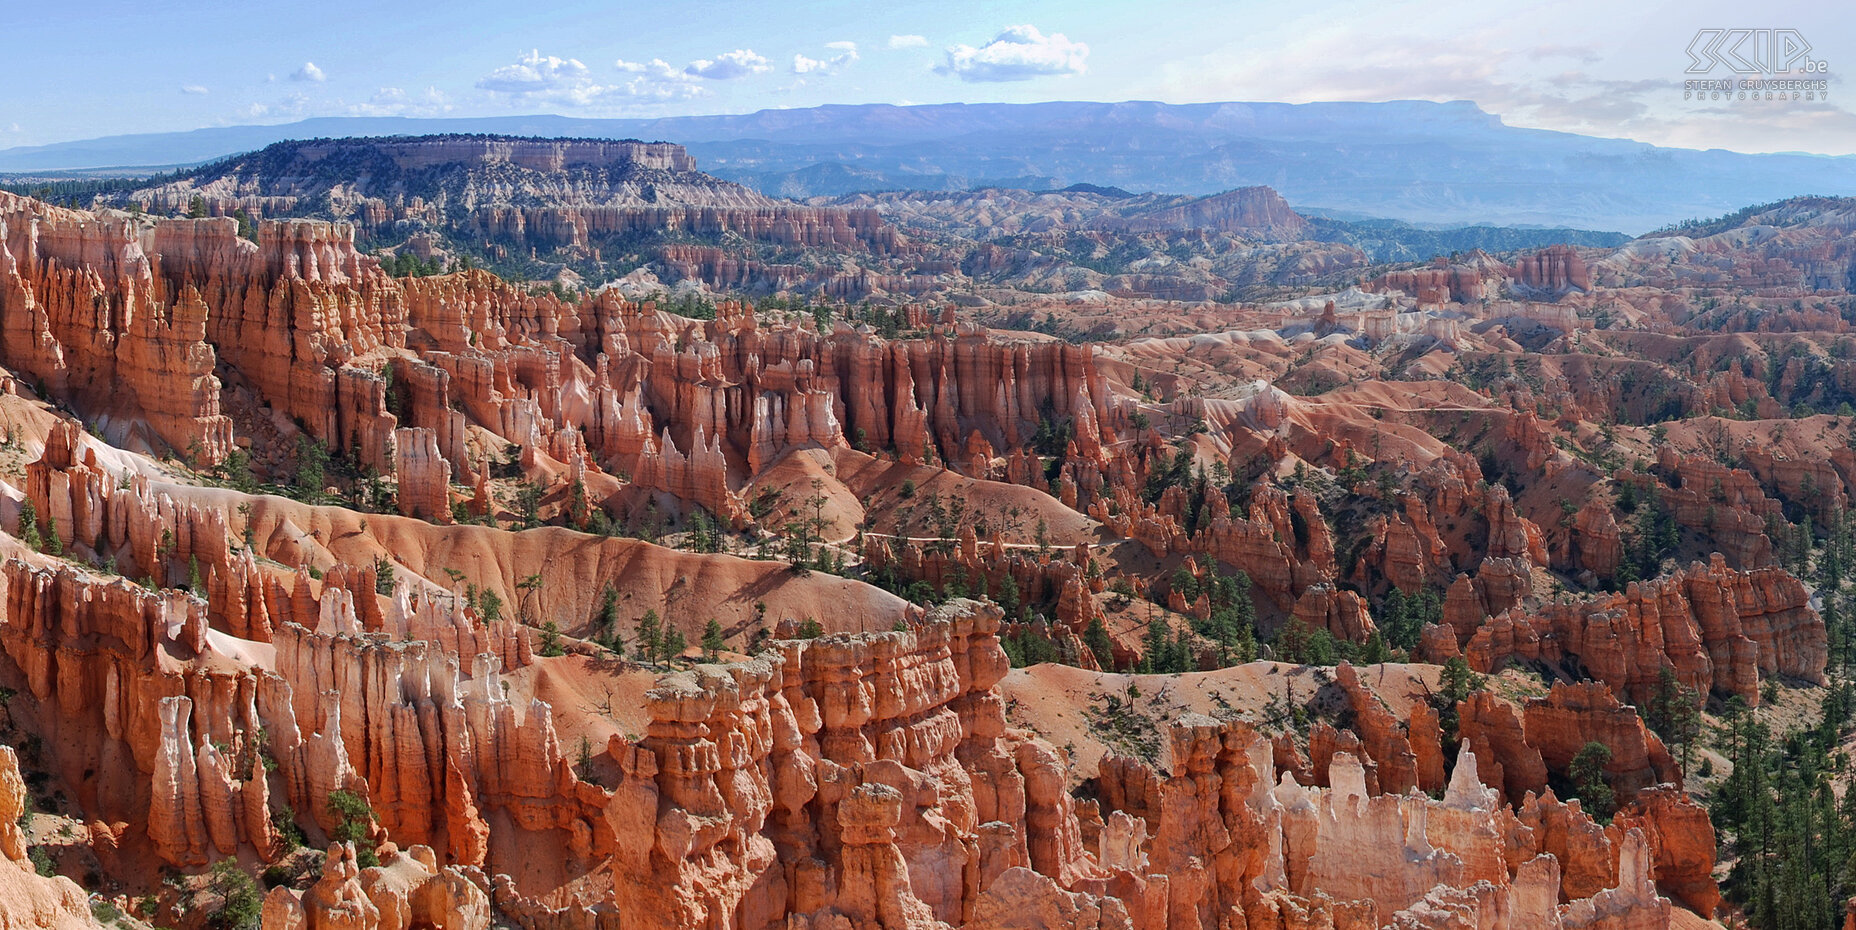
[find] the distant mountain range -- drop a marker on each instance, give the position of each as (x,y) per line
(1427,163)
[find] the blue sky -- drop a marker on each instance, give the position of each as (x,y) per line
(105,67)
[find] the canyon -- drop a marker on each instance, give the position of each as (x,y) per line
(455,600)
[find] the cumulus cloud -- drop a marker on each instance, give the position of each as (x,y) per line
(1020,53)
(726,67)
(539,79)
(908,41)
(394,101)
(655,68)
(536,74)
(832,64)
(656,81)
(194,90)
(309,72)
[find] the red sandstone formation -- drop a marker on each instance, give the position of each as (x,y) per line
(1718,628)
(408,888)
(1551,272)
(1682,839)
(1560,724)
(126,321)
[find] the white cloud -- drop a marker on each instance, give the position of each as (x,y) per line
(536,73)
(1020,53)
(847,53)
(194,90)
(908,41)
(309,72)
(291,105)
(657,81)
(538,78)
(541,77)
(739,63)
(657,68)
(394,101)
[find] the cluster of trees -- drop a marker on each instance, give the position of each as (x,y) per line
(1455,684)
(314,469)
(1833,567)
(1654,535)
(654,641)
(1402,617)
(1296,642)
(1792,839)
(1166,470)
(688,304)
(1165,653)
(889,322)
(1230,626)
(485,601)
(404,264)
(1052,437)
(1785,823)
(1673,712)
(1032,644)
(44,540)
(821,313)
(354,823)
(1228,635)
(1232,623)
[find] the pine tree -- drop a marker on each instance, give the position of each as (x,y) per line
(648,637)
(1587,772)
(583,766)
(712,642)
(1156,646)
(1097,639)
(1375,650)
(29,525)
(1673,712)
(609,620)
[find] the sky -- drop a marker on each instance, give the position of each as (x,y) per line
(1598,67)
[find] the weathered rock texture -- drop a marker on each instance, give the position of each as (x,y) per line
(27,901)
(1719,629)
(408,889)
